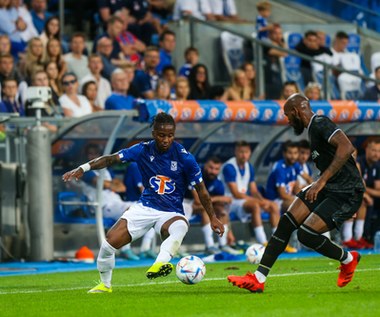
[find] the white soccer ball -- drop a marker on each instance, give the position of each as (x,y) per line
(190,269)
(254,253)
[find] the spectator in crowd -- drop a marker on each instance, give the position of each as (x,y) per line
(191,59)
(129,69)
(76,61)
(240,88)
(19,11)
(133,183)
(52,31)
(54,54)
(162,9)
(33,60)
(373,93)
(141,21)
(282,181)
(95,66)
(250,73)
(131,47)
(273,68)
(167,47)
(264,8)
(90,91)
(198,9)
(370,168)
(182,89)
(119,99)
(115,27)
(7,71)
(5,44)
(146,79)
(310,46)
(112,204)
(73,105)
(224,10)
(170,75)
(52,72)
(10,103)
(12,26)
(313,91)
(289,88)
(200,87)
(39,14)
(162,90)
(238,176)
(104,48)
(305,177)
(52,107)
(220,202)
(108,7)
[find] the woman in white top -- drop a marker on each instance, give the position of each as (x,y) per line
(73,105)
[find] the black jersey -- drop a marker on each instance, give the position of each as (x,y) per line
(347,179)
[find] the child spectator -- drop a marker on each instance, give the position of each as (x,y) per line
(262,27)
(169,74)
(182,89)
(162,90)
(191,59)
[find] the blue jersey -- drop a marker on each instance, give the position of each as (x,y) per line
(165,176)
(214,187)
(282,175)
(185,70)
(133,182)
(260,23)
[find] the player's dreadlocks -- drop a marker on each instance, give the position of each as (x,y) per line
(162,119)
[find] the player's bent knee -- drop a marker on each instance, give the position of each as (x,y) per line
(119,235)
(308,237)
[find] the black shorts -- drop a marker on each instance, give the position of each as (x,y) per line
(334,208)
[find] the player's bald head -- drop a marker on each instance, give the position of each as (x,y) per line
(296,101)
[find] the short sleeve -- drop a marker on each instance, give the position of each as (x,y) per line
(130,154)
(229,173)
(280,177)
(325,128)
(192,170)
(252,173)
(219,188)
(298,168)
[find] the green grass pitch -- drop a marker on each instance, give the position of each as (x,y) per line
(298,287)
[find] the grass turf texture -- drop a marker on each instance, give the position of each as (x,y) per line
(298,287)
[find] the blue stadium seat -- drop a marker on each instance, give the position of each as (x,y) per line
(292,39)
(293,71)
(75,208)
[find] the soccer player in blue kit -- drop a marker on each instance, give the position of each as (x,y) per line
(320,207)
(167,169)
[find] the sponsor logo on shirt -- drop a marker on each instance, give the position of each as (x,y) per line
(173,166)
(162,184)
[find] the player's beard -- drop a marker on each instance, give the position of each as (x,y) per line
(298,126)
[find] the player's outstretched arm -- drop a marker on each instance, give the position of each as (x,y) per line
(95,164)
(206,202)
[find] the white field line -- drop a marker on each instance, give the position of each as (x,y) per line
(32,291)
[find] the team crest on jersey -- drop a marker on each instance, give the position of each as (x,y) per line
(173,166)
(162,184)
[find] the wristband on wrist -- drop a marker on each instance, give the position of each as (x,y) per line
(85,167)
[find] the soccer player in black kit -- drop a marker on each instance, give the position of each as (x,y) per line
(321,206)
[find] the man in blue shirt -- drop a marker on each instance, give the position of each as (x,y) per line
(167,169)
(167,47)
(39,14)
(146,80)
(282,181)
(221,204)
(10,103)
(119,100)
